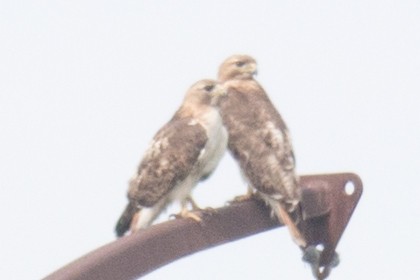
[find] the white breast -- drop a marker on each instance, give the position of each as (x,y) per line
(217,141)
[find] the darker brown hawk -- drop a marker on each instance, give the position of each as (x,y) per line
(259,140)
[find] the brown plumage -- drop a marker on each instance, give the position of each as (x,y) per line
(182,152)
(259,140)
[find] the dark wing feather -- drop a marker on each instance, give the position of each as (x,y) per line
(124,221)
(170,158)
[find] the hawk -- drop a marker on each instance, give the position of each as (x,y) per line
(183,152)
(259,140)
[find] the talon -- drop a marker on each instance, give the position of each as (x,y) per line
(191,215)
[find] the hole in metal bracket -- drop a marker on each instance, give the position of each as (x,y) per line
(349,188)
(320,247)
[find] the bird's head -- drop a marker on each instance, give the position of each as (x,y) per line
(238,67)
(205,92)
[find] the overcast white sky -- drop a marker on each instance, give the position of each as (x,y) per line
(84,85)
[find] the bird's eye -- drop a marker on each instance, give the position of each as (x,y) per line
(240,63)
(209,88)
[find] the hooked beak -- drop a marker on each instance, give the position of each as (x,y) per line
(219,91)
(252,68)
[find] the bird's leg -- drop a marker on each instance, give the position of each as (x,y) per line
(193,204)
(249,195)
(294,231)
(195,207)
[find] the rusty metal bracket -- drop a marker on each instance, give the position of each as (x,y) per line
(328,202)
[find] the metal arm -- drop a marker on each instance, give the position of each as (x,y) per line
(327,208)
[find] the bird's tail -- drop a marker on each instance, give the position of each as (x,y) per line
(124,222)
(287,220)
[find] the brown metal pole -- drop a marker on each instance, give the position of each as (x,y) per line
(135,255)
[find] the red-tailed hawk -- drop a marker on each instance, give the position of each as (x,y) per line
(183,152)
(259,140)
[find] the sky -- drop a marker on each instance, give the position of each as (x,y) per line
(84,85)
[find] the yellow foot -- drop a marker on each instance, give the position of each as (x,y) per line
(191,215)
(186,215)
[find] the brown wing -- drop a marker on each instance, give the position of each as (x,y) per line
(259,140)
(170,158)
